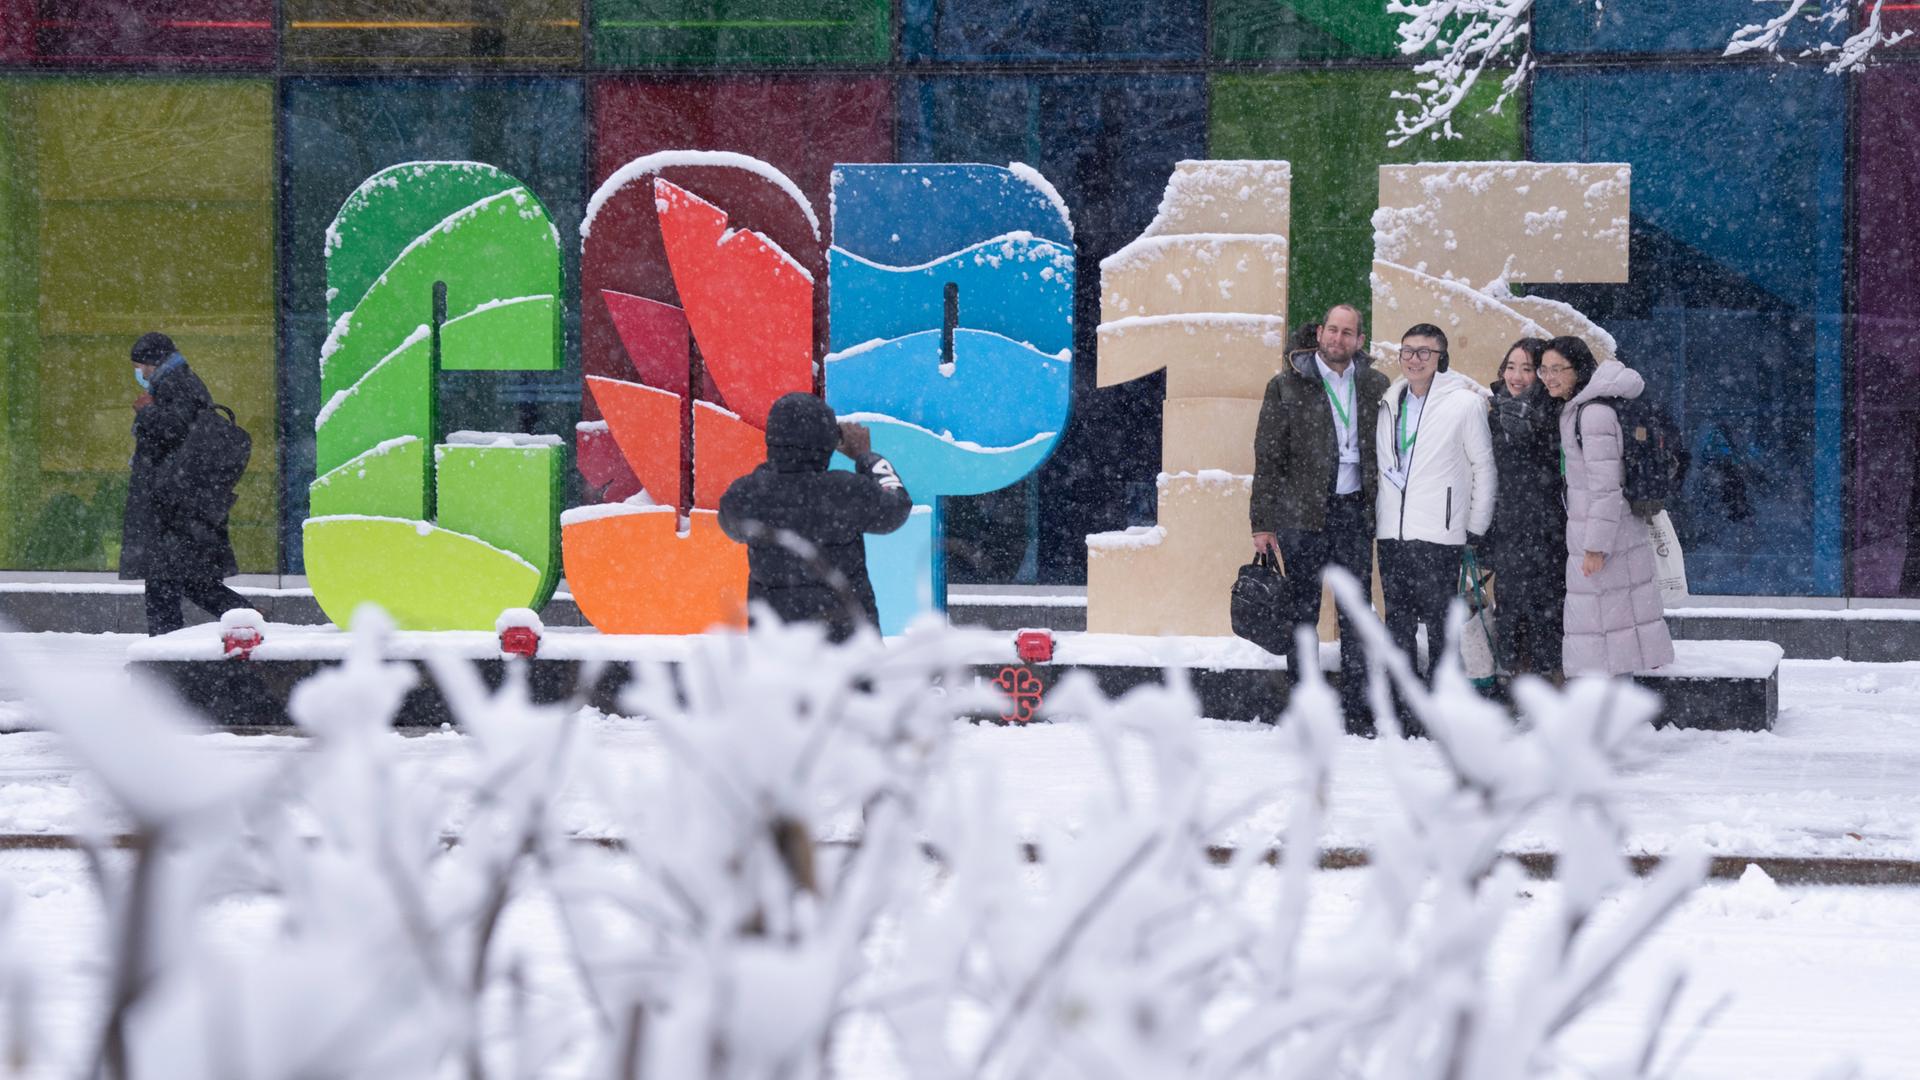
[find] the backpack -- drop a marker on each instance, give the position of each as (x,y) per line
(204,471)
(1653,466)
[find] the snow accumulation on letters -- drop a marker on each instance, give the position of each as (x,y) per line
(420,333)
(668,159)
(1045,187)
(1196,187)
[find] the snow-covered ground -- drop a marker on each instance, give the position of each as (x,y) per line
(1835,779)
(1798,979)
(1811,975)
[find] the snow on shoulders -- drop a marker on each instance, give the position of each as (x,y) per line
(666,159)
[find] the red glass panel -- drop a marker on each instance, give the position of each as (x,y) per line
(215,33)
(1886,337)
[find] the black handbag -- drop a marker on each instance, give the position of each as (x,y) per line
(1260,605)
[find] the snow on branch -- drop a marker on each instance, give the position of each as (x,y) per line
(804,848)
(1848,55)
(1470,36)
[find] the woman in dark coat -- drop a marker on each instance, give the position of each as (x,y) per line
(1529,515)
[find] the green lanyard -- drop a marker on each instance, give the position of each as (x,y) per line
(1345,417)
(1405,442)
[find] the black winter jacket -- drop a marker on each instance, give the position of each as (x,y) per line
(794,502)
(175,525)
(1529,511)
(1295,450)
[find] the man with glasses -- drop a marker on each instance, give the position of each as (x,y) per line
(1313,479)
(1437,477)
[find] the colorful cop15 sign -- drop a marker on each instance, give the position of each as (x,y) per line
(703,300)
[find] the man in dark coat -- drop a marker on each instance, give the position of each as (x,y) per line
(1314,478)
(174,533)
(804,526)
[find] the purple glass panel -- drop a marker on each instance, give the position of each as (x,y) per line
(1886,349)
(211,33)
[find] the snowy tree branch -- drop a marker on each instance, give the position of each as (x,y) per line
(1851,54)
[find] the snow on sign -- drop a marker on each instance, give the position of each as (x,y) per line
(716,257)
(952,335)
(1201,293)
(1449,238)
(431,266)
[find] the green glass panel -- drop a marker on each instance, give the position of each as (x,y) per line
(635,33)
(1302,30)
(508,496)
(389,480)
(1333,127)
(426,577)
(127,206)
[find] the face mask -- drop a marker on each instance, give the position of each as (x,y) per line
(141,378)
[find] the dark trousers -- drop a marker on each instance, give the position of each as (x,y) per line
(1347,542)
(1418,580)
(164,615)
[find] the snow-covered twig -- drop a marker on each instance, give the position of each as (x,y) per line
(1851,54)
(1467,38)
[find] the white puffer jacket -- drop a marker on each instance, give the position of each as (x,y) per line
(1450,472)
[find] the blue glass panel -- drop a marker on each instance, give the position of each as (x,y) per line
(1733,310)
(339,132)
(1108,144)
(1052,29)
(1651,26)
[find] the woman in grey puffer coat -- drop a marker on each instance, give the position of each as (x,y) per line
(1613,612)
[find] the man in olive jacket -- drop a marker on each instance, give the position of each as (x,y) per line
(1314,480)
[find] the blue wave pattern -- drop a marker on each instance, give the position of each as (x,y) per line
(902,235)
(1018,285)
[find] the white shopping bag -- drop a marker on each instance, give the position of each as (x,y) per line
(1669,562)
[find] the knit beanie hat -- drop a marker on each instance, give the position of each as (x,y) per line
(153,348)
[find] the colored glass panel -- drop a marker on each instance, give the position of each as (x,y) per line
(1052,29)
(1302,30)
(1655,26)
(103,238)
(800,126)
(1106,143)
(1332,126)
(637,33)
(449,34)
(338,132)
(1886,336)
(212,33)
(1733,308)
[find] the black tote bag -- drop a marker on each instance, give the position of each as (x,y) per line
(1260,604)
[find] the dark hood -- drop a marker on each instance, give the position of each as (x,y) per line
(802,434)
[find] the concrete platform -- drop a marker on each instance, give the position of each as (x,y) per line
(1711,685)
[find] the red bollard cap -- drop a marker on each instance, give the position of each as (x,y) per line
(1034,646)
(519,641)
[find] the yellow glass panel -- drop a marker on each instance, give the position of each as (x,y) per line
(127,206)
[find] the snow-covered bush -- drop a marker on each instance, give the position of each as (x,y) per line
(802,852)
(1458,41)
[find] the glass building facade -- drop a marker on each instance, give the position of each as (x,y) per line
(173,164)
